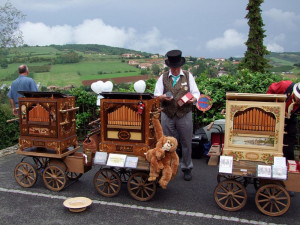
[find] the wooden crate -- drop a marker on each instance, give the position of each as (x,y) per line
(293,182)
(47,120)
(254,126)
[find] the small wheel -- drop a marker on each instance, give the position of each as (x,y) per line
(73,175)
(124,174)
(272,200)
(230,195)
(140,188)
(54,177)
(25,174)
(107,182)
(239,179)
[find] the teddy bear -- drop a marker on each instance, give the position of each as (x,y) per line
(163,158)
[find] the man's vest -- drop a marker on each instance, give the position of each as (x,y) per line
(170,108)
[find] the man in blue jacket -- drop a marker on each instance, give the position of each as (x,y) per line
(22,83)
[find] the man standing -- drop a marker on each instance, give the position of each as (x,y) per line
(22,83)
(176,118)
(291,108)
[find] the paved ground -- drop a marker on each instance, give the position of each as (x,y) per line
(182,203)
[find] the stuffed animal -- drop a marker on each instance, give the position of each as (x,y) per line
(163,158)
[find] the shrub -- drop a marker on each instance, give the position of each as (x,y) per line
(9,132)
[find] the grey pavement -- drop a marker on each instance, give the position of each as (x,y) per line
(182,202)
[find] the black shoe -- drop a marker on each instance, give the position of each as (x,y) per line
(187,175)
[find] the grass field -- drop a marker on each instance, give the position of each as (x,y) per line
(91,67)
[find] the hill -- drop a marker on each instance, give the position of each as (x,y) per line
(62,65)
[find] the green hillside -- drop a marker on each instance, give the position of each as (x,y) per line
(62,65)
(47,65)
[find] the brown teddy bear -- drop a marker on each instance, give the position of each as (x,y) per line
(163,158)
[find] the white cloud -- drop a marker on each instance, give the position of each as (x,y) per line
(288,20)
(40,34)
(274,47)
(231,39)
(95,32)
(152,41)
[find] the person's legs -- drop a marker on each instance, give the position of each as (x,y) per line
(168,125)
(184,127)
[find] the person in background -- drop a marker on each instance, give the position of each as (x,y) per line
(171,87)
(22,83)
(292,106)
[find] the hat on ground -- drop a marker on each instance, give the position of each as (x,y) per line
(296,90)
(174,59)
(77,204)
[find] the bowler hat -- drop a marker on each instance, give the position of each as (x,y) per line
(174,59)
(296,90)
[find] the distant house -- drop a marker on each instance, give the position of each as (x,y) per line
(235,62)
(219,59)
(221,73)
(127,55)
(133,62)
(200,58)
(145,65)
(154,56)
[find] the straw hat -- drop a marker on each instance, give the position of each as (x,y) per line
(77,204)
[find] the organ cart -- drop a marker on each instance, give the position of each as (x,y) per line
(119,145)
(48,136)
(252,153)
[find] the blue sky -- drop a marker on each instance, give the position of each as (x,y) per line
(200,28)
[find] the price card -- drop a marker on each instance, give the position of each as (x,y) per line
(264,171)
(226,164)
(100,158)
(117,160)
(279,172)
(131,162)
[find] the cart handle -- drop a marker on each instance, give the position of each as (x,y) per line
(95,121)
(69,110)
(12,120)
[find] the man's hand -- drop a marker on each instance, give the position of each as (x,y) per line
(165,98)
(15,111)
(193,100)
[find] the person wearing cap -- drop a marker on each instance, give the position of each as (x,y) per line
(22,83)
(170,87)
(292,106)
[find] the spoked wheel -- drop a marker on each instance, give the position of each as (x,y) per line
(54,177)
(73,175)
(107,182)
(124,174)
(25,174)
(272,200)
(140,188)
(239,179)
(230,195)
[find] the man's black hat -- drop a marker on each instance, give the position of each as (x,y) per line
(174,59)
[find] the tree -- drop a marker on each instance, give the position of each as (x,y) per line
(254,59)
(155,69)
(10,18)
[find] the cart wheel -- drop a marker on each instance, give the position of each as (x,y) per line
(107,182)
(73,176)
(230,195)
(25,174)
(239,179)
(140,188)
(124,174)
(272,200)
(54,177)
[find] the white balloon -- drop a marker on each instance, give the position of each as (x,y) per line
(97,86)
(140,86)
(107,86)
